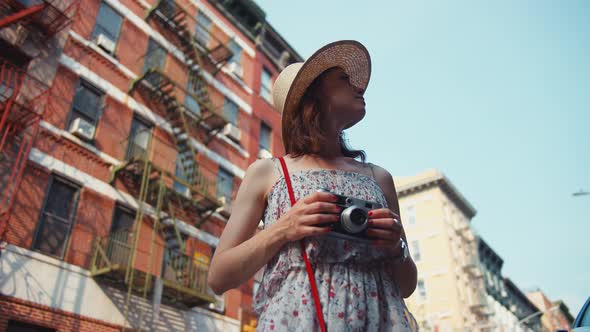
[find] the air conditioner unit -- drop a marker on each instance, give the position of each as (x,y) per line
(218,305)
(235,68)
(82,128)
(105,43)
(232,132)
(264,154)
(225,208)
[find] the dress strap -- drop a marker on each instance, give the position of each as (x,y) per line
(373,171)
(310,274)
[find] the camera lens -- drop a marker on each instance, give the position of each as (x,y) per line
(358,217)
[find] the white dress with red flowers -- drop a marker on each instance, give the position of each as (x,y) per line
(354,280)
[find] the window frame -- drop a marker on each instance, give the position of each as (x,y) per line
(148,125)
(234,46)
(260,146)
(416,252)
(191,88)
(231,178)
(82,83)
(267,95)
(177,186)
(411,214)
(422,294)
(124,209)
(207,28)
(78,188)
(227,101)
(96,24)
(161,66)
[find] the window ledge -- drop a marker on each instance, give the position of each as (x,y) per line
(62,133)
(238,79)
(234,145)
(91,45)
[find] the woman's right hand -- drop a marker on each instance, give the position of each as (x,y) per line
(304,217)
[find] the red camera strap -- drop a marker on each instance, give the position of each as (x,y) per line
(314,289)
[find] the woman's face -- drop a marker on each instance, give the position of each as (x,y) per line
(346,102)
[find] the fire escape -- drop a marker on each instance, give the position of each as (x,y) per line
(164,195)
(22,96)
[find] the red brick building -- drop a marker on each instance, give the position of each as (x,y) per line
(125,129)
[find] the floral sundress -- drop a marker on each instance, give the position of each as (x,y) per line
(354,280)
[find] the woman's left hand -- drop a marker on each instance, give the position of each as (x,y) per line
(385,228)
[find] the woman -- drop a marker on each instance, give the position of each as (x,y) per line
(358,286)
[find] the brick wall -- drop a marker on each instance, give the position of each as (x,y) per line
(18,310)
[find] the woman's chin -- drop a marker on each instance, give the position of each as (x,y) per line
(360,115)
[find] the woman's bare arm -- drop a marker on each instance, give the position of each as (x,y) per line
(405,274)
(241,251)
(239,254)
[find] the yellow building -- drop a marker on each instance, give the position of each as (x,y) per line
(451,293)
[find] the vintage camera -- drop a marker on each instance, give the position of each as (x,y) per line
(354,218)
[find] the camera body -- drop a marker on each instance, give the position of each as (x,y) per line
(354,218)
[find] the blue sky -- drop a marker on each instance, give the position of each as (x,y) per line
(496,95)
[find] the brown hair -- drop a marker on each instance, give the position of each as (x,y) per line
(302,129)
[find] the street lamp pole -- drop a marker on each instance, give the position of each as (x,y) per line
(520,322)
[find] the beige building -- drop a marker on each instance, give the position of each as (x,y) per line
(451,293)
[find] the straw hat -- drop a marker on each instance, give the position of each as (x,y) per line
(292,82)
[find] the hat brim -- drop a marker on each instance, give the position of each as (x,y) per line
(349,55)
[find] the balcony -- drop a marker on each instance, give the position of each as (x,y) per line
(199,47)
(167,94)
(150,162)
(46,17)
(184,280)
(479,304)
(471,265)
(20,92)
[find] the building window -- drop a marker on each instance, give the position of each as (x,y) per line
(421,290)
(265,133)
(14,326)
(139,139)
(108,24)
(195,89)
(225,182)
(155,57)
(185,167)
(57,217)
(86,110)
(123,220)
(416,251)
(120,238)
(230,110)
(236,57)
(203,29)
(266,85)
(411,215)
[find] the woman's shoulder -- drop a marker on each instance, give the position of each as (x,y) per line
(382,176)
(262,173)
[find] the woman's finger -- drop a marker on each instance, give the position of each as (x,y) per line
(319,218)
(319,207)
(383,213)
(386,223)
